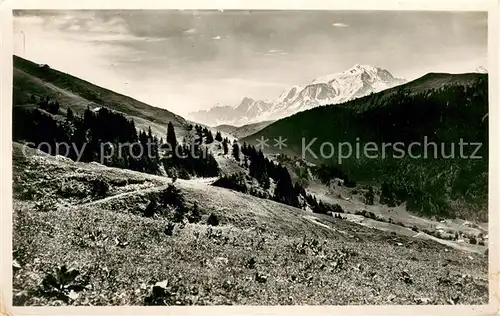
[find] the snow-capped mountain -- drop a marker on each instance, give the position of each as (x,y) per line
(355,82)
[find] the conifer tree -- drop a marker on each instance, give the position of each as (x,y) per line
(218,136)
(209,138)
(171,138)
(69,114)
(236,151)
(225,147)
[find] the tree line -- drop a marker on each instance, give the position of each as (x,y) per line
(108,137)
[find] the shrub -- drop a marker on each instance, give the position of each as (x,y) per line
(100,188)
(63,284)
(213,220)
(473,240)
(369,196)
(169,230)
(178,215)
(151,208)
(250,264)
(172,196)
(194,216)
(173,199)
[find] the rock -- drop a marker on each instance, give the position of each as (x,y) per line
(260,278)
(162,284)
(73,295)
(16,265)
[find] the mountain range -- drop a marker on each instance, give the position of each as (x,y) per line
(353,83)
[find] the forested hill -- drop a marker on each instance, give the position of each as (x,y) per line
(441,108)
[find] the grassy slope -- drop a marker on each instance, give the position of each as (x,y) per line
(350,265)
(77,94)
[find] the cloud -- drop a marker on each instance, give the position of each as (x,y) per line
(216,38)
(87,22)
(190,31)
(339,25)
(274,52)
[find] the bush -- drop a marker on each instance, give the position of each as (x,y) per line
(213,220)
(194,216)
(250,264)
(151,208)
(172,199)
(369,196)
(63,284)
(100,188)
(172,196)
(169,230)
(473,240)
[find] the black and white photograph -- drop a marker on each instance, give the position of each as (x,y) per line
(216,157)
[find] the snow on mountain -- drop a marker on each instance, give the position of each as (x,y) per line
(355,82)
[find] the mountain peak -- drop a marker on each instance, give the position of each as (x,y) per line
(363,67)
(336,88)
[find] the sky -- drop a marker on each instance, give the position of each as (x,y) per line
(190,60)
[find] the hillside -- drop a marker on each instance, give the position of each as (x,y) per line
(243,131)
(440,108)
(99,248)
(77,94)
